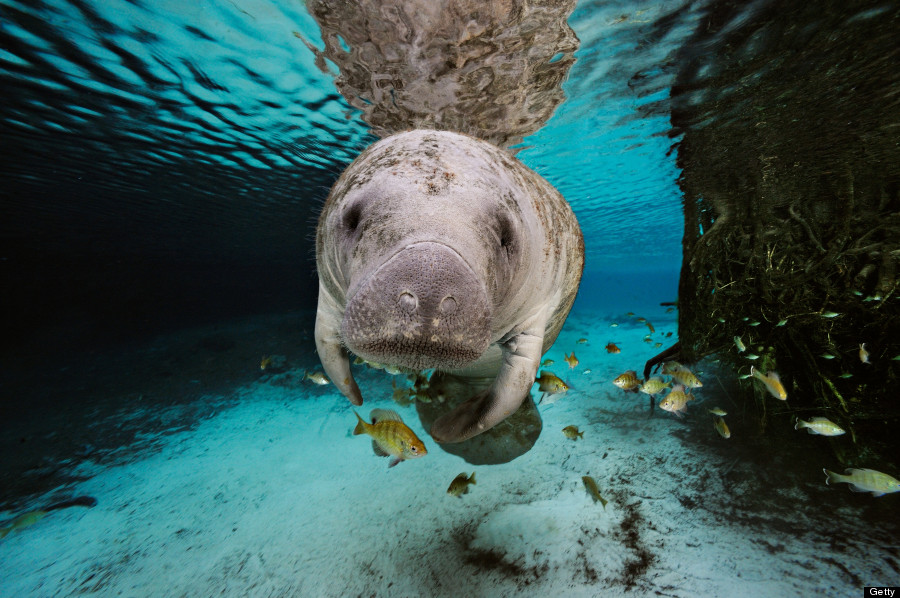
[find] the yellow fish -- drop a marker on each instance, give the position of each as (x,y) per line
(612,348)
(265,362)
(582,341)
(653,386)
(390,436)
(627,381)
(676,401)
(572,432)
(718,411)
(571,360)
(547,363)
(460,484)
(722,428)
(402,395)
(591,486)
(316,378)
(819,425)
(22,521)
(550,385)
(670,367)
(865,480)
(686,377)
(772,382)
(650,326)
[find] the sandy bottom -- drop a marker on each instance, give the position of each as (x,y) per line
(269,494)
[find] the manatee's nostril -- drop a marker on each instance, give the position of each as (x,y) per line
(407,301)
(448,305)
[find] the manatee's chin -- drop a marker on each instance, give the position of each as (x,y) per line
(424,308)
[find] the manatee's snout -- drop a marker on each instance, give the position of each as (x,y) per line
(423,308)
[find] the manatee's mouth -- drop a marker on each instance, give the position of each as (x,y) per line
(423,308)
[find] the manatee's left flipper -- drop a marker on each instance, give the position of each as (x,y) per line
(331,353)
(521,358)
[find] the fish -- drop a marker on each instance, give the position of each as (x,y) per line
(686,377)
(642,319)
(741,347)
(614,325)
(826,356)
(820,426)
(754,323)
(372,364)
(630,314)
(627,381)
(22,521)
(586,371)
(591,486)
(316,378)
(612,348)
(571,360)
(657,345)
(653,386)
(272,362)
(829,314)
(846,375)
(581,341)
(864,480)
(650,326)
(648,339)
(572,432)
(751,356)
(547,363)
(550,384)
(670,367)
(676,401)
(460,484)
(718,411)
(863,354)
(782,322)
(670,310)
(669,334)
(772,382)
(402,395)
(393,370)
(390,436)
(721,427)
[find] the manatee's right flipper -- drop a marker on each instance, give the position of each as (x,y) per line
(331,353)
(521,357)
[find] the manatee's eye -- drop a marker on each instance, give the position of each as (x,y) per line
(506,235)
(352,216)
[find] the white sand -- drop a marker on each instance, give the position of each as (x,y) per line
(275,497)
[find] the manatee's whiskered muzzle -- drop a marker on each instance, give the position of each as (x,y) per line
(423,308)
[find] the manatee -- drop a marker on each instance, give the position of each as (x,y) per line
(438,250)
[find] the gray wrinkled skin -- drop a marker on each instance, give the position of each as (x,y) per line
(438,250)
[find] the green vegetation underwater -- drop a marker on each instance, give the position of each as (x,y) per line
(716,417)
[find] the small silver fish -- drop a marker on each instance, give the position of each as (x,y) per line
(830,314)
(718,411)
(863,354)
(316,378)
(739,344)
(820,426)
